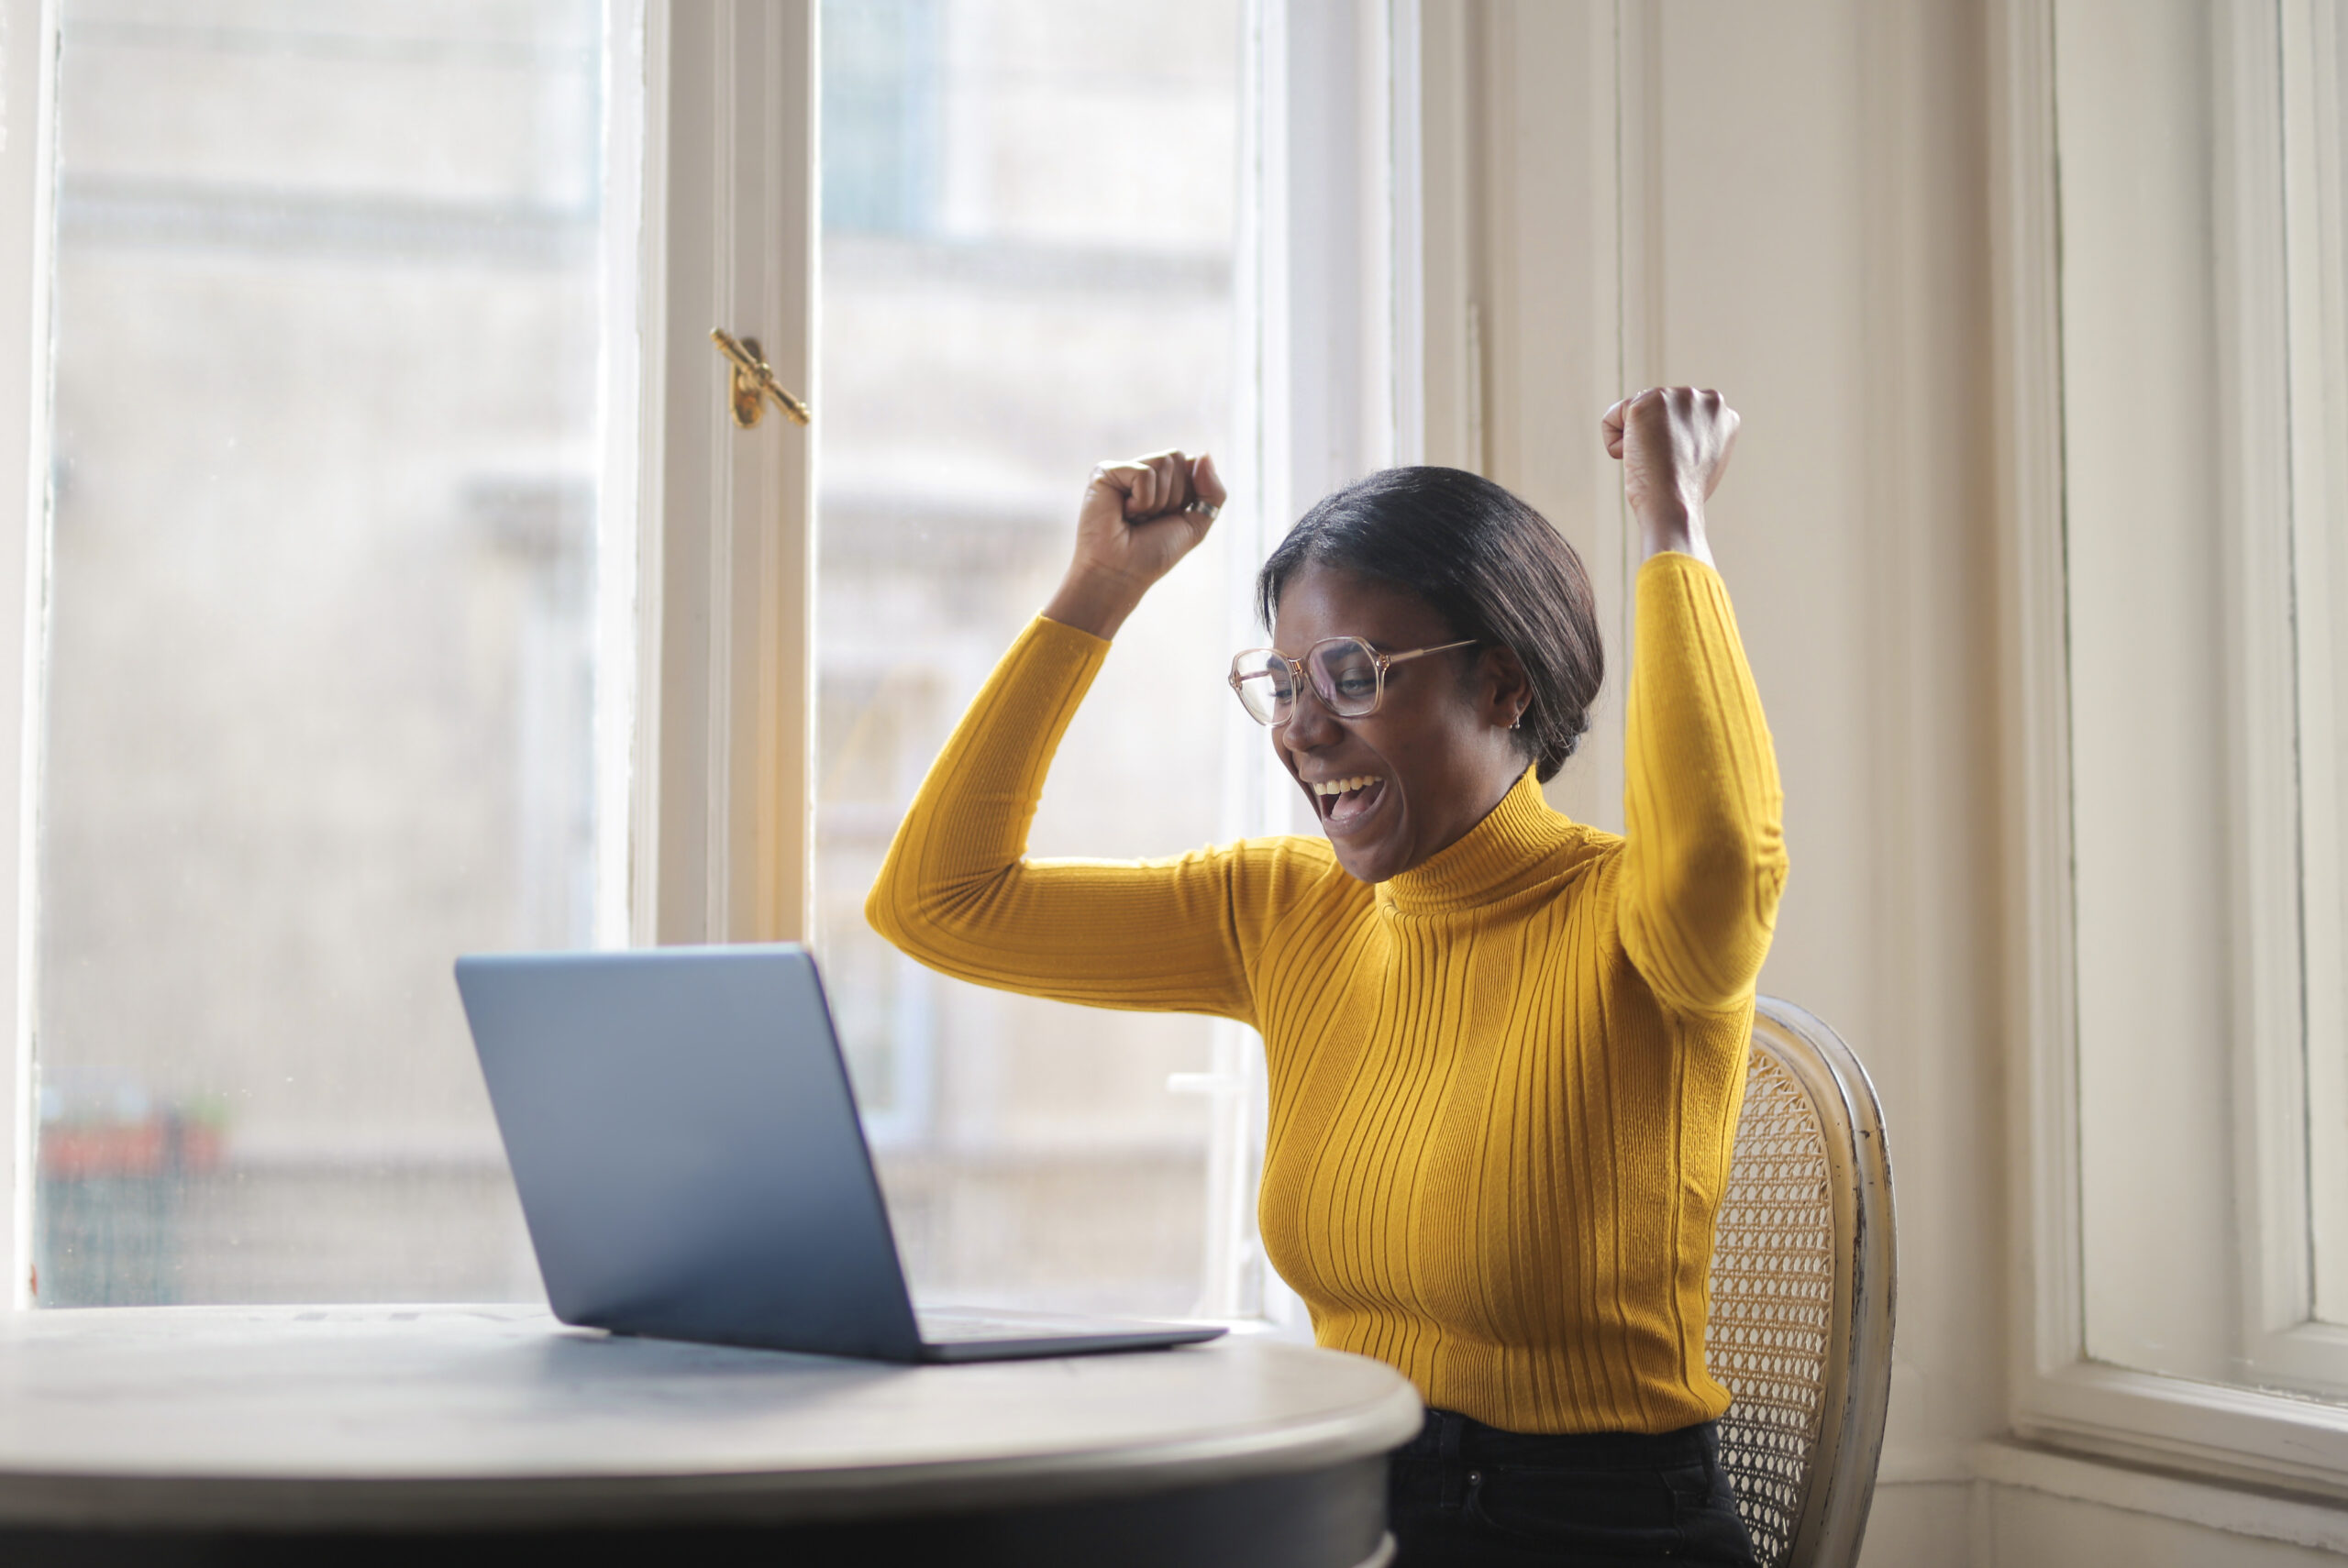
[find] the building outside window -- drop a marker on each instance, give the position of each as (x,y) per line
(320,690)
(329,674)
(1029,266)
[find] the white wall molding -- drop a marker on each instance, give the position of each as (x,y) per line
(1927,1002)
(2164,1493)
(1531,294)
(1440,218)
(1398,120)
(2045,1324)
(1639,195)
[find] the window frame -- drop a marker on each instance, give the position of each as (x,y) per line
(2315,157)
(723,835)
(2056,1392)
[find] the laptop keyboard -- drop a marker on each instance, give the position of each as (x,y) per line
(963,1325)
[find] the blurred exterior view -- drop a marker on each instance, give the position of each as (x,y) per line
(319,683)
(322,680)
(1029,214)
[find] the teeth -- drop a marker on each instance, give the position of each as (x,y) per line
(1343,786)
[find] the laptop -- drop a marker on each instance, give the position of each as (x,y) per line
(691,1165)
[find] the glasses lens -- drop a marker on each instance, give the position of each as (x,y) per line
(1261,677)
(1344,675)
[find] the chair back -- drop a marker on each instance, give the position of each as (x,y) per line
(1802,1291)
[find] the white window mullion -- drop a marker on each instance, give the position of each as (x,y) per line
(633,271)
(724,700)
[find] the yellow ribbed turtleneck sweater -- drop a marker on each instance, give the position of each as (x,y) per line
(1503,1084)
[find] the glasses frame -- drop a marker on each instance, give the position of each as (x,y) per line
(1303,677)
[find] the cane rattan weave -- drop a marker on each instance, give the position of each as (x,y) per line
(1800,1324)
(1773,1304)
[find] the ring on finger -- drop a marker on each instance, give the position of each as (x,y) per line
(1206,509)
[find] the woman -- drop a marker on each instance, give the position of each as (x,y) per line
(1507,1051)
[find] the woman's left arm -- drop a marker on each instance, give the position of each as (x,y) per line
(1704,815)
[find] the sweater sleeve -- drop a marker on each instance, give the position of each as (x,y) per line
(958,893)
(1705,857)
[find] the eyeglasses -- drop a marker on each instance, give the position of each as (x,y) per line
(1346,674)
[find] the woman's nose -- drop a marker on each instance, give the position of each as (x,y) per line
(1309,724)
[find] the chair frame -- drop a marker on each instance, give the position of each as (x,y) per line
(1840,1486)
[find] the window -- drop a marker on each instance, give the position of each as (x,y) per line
(2181,581)
(884,98)
(475,259)
(1053,233)
(323,680)
(1030,263)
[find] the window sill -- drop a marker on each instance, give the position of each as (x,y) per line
(2237,1509)
(2229,1437)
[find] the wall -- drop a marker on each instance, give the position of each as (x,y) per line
(2021,1526)
(1789,202)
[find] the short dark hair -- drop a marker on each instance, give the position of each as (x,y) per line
(1489,565)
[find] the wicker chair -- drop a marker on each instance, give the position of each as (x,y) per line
(1802,1295)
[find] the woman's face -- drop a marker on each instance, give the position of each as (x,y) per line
(1438,754)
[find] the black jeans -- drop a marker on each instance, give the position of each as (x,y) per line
(1463,1493)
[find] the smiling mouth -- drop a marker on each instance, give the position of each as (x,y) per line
(1343,803)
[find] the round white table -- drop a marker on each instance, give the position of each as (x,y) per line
(261,1434)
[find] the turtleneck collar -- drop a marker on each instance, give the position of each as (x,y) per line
(1504,854)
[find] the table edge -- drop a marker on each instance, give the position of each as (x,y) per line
(71,1499)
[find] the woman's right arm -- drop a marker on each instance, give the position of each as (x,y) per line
(957,891)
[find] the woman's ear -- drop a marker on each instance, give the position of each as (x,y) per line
(1503,692)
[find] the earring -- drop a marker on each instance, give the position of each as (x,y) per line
(1517,723)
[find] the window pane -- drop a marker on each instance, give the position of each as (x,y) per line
(1029,217)
(2159,1218)
(320,689)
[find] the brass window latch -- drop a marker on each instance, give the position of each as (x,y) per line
(754,381)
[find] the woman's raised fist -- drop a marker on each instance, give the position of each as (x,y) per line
(1673,443)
